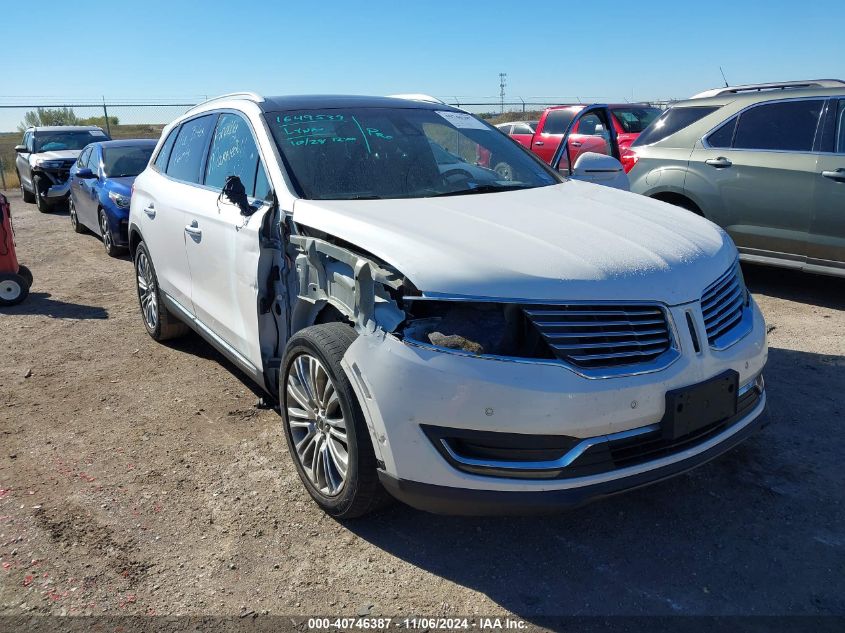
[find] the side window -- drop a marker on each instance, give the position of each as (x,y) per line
(557,121)
(83,158)
(839,146)
(29,141)
(233,153)
(723,137)
(521,129)
(189,149)
(591,125)
(786,126)
(505,129)
(94,160)
(262,184)
(160,162)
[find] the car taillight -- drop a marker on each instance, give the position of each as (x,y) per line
(629,158)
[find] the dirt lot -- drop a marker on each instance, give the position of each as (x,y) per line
(140,478)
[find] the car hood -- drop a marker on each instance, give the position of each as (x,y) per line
(122,185)
(64,154)
(572,241)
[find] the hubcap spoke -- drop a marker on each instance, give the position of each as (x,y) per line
(317,427)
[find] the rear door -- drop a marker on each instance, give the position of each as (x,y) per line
(756,175)
(589,135)
(86,201)
(22,161)
(223,244)
(165,196)
(76,190)
(551,131)
(826,241)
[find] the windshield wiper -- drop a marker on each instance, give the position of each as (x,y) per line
(482,189)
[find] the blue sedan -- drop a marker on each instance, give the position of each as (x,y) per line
(100,188)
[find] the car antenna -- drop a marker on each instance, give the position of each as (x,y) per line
(723,77)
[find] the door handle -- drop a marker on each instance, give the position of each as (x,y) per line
(575,143)
(538,143)
(193,230)
(838,174)
(719,163)
(150,211)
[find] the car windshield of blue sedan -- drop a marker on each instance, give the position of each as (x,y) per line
(72,140)
(122,161)
(377,152)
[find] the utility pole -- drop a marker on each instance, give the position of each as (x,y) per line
(502,83)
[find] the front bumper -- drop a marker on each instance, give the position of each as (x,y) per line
(474,502)
(404,389)
(58,191)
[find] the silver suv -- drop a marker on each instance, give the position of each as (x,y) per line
(764,161)
(44,159)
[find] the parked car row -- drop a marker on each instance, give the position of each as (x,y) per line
(446,316)
(764,161)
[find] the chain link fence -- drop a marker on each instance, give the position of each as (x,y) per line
(146,120)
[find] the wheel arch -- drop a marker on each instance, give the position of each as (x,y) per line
(135,238)
(679,200)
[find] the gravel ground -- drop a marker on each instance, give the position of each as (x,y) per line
(138,478)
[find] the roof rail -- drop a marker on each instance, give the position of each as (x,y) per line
(250,96)
(782,85)
(418,97)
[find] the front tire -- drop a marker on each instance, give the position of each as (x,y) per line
(160,323)
(40,201)
(325,429)
(74,218)
(14,288)
(112,250)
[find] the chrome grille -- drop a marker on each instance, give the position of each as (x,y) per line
(723,304)
(597,336)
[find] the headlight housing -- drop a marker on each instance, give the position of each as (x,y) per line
(119,199)
(474,328)
(49,164)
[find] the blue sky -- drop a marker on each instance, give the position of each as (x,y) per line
(645,50)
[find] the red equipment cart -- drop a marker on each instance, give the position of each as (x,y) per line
(15,279)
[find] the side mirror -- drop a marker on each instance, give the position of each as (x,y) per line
(85,173)
(21,149)
(235,192)
(601,169)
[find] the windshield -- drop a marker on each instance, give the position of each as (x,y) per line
(365,153)
(124,161)
(58,141)
(635,120)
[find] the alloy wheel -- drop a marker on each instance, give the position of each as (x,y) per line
(147,290)
(106,232)
(317,425)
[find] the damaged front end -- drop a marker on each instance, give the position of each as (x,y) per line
(53,176)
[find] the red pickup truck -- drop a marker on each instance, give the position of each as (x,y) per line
(588,135)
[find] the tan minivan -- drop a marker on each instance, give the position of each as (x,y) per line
(764,161)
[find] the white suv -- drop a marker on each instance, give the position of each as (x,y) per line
(467,344)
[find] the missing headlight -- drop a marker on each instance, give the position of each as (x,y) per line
(474,328)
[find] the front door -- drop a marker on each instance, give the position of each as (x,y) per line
(755,175)
(223,244)
(826,241)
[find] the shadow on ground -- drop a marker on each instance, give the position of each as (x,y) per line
(42,303)
(818,290)
(758,530)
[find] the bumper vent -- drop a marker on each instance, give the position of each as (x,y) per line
(723,305)
(603,336)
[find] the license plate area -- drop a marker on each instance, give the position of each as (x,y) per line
(692,408)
